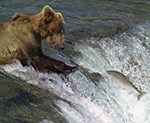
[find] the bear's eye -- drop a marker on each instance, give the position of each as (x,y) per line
(59,30)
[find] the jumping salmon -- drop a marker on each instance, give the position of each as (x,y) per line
(125,83)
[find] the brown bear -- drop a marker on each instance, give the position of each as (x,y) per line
(21,39)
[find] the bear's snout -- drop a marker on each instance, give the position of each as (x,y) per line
(62,47)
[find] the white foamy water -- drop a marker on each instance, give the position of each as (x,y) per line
(105,102)
(128,53)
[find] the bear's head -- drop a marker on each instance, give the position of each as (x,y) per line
(51,27)
(48,23)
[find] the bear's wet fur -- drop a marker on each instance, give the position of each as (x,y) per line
(21,39)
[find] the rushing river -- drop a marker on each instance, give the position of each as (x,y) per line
(101,35)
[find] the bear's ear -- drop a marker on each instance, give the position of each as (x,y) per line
(48,10)
(60,16)
(15,17)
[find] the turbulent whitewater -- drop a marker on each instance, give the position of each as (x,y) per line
(105,101)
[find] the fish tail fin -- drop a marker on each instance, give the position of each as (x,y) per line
(141,95)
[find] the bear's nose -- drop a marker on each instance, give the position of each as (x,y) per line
(62,48)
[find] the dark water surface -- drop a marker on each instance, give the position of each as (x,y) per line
(85,17)
(92,41)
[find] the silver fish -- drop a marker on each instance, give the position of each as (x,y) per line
(125,83)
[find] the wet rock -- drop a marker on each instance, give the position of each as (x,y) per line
(24,103)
